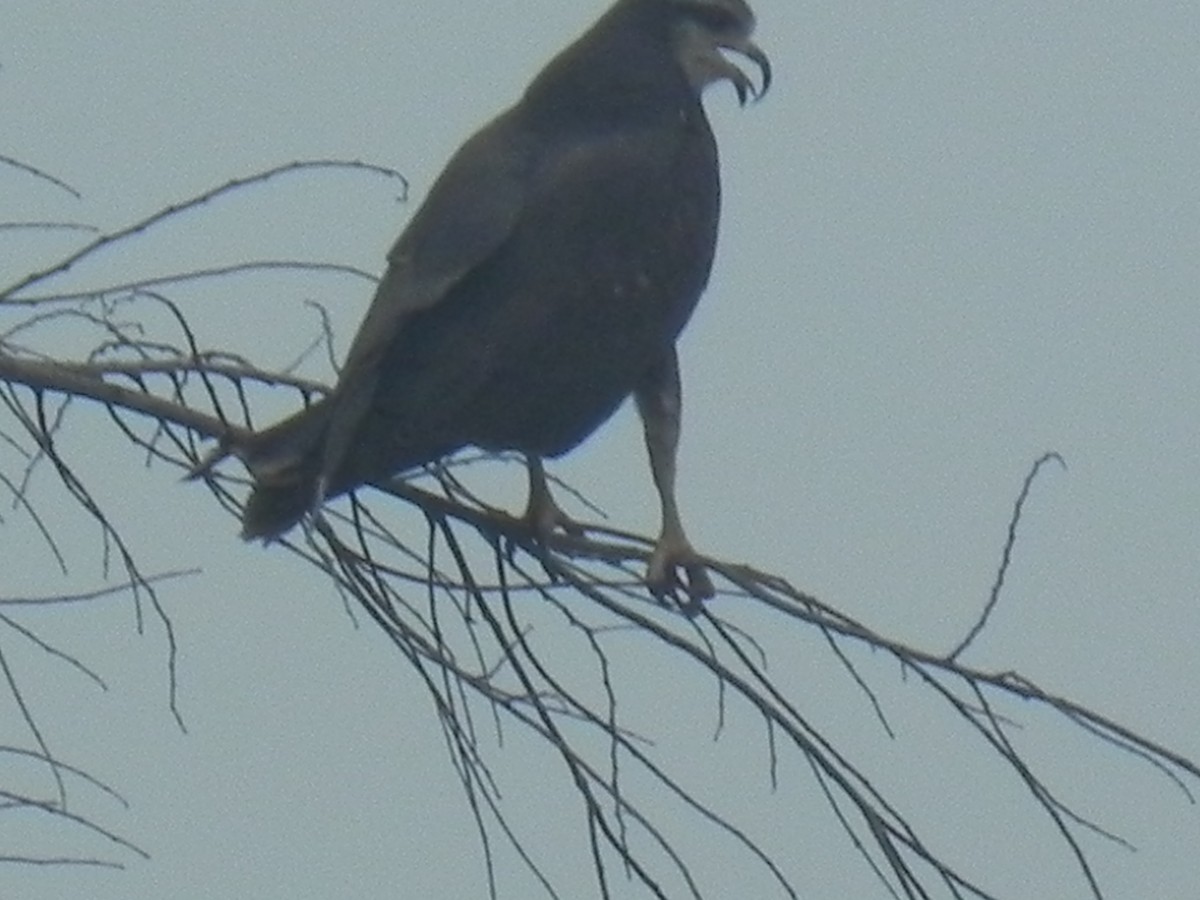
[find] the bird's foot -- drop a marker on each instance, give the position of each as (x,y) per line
(662,574)
(543,517)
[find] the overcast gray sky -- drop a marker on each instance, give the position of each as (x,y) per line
(956,235)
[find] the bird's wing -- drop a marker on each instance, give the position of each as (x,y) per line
(469,212)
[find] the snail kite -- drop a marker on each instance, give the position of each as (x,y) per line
(544,279)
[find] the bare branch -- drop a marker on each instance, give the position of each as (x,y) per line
(465,593)
(7,295)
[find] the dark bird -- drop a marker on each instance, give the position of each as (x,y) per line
(545,278)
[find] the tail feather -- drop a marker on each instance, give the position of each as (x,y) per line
(272,509)
(284,461)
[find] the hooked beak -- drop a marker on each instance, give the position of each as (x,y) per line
(702,55)
(742,83)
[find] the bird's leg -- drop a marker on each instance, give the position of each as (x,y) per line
(659,402)
(542,514)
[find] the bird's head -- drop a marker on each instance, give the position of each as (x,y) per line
(641,55)
(702,29)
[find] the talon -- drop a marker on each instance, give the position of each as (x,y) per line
(542,515)
(662,573)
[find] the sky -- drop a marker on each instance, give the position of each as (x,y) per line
(955,236)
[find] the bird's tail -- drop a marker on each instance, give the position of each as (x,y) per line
(273,509)
(285,460)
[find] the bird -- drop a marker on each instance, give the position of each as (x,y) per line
(544,280)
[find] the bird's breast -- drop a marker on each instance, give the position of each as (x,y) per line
(535,347)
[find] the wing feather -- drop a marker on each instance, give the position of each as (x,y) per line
(471,209)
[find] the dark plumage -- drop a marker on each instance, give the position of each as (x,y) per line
(544,279)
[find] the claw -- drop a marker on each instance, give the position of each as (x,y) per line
(542,514)
(671,553)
